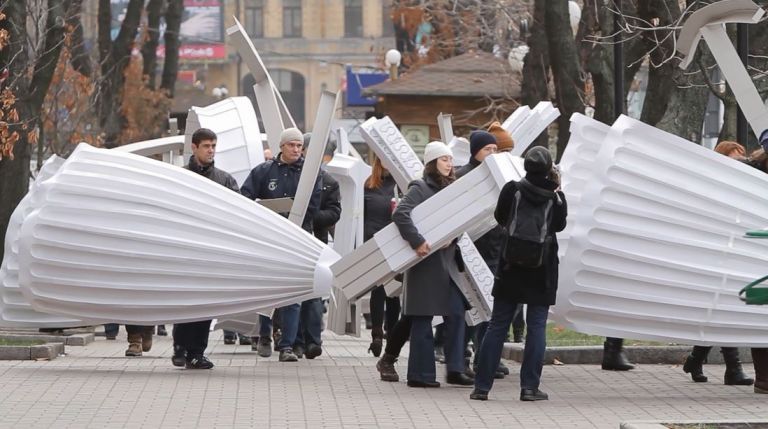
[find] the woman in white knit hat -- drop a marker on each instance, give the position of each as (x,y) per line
(428,289)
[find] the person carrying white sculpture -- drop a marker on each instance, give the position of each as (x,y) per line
(427,287)
(308,339)
(191,339)
(279,178)
(481,145)
(533,210)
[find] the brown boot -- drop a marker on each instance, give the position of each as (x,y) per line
(760,361)
(134,345)
(146,339)
(386,367)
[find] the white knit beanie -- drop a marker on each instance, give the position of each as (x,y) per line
(435,150)
(291,135)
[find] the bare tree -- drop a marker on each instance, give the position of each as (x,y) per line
(26,75)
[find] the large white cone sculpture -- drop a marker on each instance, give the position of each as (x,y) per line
(15,310)
(239,147)
(658,249)
(117,237)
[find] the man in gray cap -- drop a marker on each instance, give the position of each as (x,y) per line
(279,178)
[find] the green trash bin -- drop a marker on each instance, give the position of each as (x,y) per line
(753,295)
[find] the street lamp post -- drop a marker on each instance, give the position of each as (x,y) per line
(392,59)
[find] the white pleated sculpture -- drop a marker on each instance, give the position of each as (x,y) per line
(384,138)
(238,147)
(120,238)
(658,249)
(576,167)
(15,309)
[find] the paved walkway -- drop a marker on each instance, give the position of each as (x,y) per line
(97,387)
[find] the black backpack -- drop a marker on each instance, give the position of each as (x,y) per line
(527,238)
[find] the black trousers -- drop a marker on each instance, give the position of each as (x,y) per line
(398,336)
(380,316)
(191,337)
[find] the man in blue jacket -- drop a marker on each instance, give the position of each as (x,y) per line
(279,178)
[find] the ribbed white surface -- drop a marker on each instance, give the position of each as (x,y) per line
(15,310)
(657,250)
(122,238)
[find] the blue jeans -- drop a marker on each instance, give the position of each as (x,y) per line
(111,329)
(289,325)
(310,323)
(421,360)
(265,327)
(493,342)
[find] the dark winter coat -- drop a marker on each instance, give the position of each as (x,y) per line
(330,207)
(530,285)
(276,179)
(209,171)
(377,207)
(427,284)
(489,245)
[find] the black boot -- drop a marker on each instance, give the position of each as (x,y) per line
(613,355)
(734,374)
(694,361)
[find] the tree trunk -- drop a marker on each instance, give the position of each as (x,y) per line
(661,84)
(569,86)
(80,60)
(113,70)
(149,49)
(29,92)
(535,85)
(597,58)
(173,17)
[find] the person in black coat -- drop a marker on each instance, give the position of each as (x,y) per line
(308,340)
(278,178)
(481,145)
(536,287)
(378,202)
(427,287)
(191,339)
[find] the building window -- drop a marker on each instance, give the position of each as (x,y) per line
(291,18)
(254,18)
(353,18)
(387,26)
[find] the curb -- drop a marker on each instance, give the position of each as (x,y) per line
(70,340)
(658,424)
(593,355)
(47,351)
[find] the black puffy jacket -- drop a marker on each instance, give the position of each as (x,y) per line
(276,179)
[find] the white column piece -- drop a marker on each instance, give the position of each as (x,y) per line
(314,156)
(440,219)
(170,147)
(393,150)
(270,103)
(238,144)
(478,283)
(445,125)
(658,249)
(115,237)
(351,173)
(543,114)
(516,119)
(709,23)
(460,150)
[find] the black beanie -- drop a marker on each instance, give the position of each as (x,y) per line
(538,160)
(478,140)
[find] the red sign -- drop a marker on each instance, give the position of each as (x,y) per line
(198,52)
